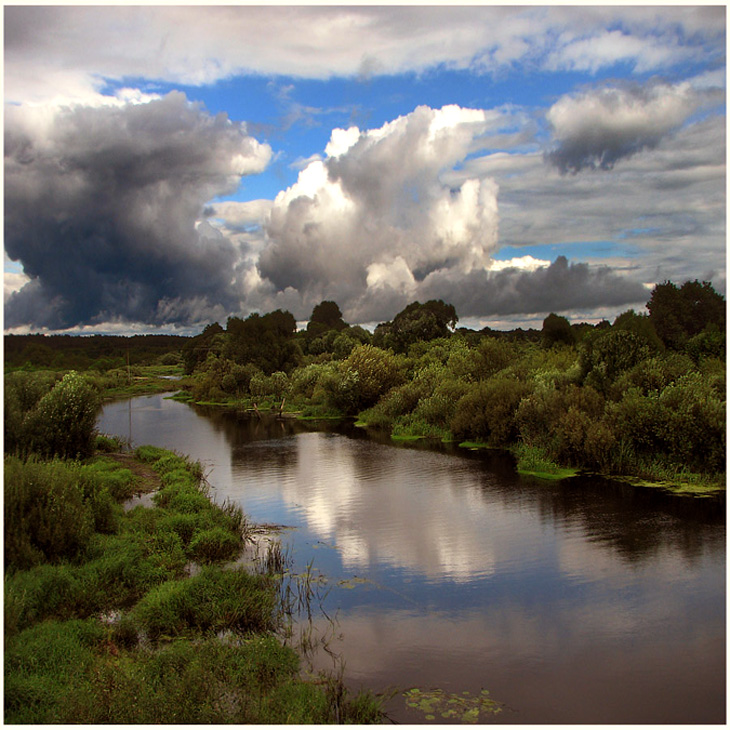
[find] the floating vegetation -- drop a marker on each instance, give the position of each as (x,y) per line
(437,704)
(350,583)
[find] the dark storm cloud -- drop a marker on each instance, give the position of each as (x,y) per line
(101,207)
(559,287)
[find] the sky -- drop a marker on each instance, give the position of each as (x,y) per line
(171,166)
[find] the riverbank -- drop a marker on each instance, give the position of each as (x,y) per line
(140,615)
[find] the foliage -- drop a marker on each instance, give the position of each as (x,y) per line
(81,672)
(556,330)
(63,422)
(487,411)
(265,341)
(641,325)
(48,416)
(534,461)
(197,349)
(47,517)
(366,375)
(605,357)
(214,545)
(710,343)
(685,423)
(325,316)
(680,313)
(101,352)
(416,323)
(437,704)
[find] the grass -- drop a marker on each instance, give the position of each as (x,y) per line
(532,461)
(107,626)
(677,481)
(474,445)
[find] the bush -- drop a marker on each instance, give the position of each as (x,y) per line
(684,424)
(487,412)
(375,373)
(605,357)
(46,514)
(495,355)
(63,422)
(654,374)
(112,476)
(556,330)
(42,666)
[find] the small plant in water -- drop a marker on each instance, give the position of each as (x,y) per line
(437,704)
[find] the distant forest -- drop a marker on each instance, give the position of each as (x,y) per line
(81,352)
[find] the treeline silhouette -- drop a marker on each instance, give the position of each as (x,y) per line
(80,352)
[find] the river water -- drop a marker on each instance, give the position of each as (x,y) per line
(582,601)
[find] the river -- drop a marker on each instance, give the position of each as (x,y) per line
(582,601)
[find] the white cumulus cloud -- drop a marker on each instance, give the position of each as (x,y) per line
(375,214)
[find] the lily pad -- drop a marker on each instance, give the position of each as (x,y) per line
(463,706)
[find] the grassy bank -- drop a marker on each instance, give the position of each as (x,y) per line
(140,380)
(131,615)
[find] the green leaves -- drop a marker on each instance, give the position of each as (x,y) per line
(438,704)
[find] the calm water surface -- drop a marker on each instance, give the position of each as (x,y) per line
(578,602)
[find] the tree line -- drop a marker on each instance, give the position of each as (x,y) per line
(100,352)
(642,395)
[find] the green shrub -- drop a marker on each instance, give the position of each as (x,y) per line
(487,411)
(181,499)
(684,424)
(45,591)
(150,454)
(606,356)
(412,425)
(534,460)
(46,515)
(376,372)
(653,374)
(63,422)
(184,525)
(43,664)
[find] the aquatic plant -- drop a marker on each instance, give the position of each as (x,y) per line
(438,704)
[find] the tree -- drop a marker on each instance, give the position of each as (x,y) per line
(641,325)
(417,323)
(371,372)
(264,341)
(556,330)
(196,350)
(680,313)
(328,314)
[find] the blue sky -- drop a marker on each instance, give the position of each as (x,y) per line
(171,166)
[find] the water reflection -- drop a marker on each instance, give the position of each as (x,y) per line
(580,601)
